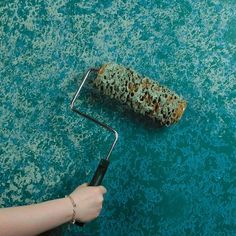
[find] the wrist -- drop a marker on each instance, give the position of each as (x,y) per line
(68,209)
(73,204)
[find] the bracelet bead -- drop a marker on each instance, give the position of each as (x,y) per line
(73,220)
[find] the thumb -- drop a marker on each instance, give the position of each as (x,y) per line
(84,185)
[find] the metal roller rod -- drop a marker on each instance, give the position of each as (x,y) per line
(72,106)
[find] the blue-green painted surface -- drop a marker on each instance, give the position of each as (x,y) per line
(172,181)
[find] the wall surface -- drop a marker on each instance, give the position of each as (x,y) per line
(178,180)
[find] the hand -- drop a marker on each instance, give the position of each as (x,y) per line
(88,201)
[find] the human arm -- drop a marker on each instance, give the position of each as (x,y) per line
(37,218)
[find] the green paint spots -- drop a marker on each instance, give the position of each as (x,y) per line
(230,35)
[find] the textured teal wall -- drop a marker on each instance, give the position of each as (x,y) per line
(172,181)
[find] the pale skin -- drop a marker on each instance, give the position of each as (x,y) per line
(38,218)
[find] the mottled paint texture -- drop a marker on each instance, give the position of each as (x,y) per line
(141,94)
(175,181)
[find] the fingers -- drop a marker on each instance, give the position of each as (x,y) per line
(102,189)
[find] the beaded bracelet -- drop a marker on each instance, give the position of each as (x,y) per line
(74,206)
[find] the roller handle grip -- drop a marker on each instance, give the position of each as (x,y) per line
(97,179)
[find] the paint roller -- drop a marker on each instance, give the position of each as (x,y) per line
(141,94)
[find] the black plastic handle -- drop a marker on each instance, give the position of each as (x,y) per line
(97,178)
